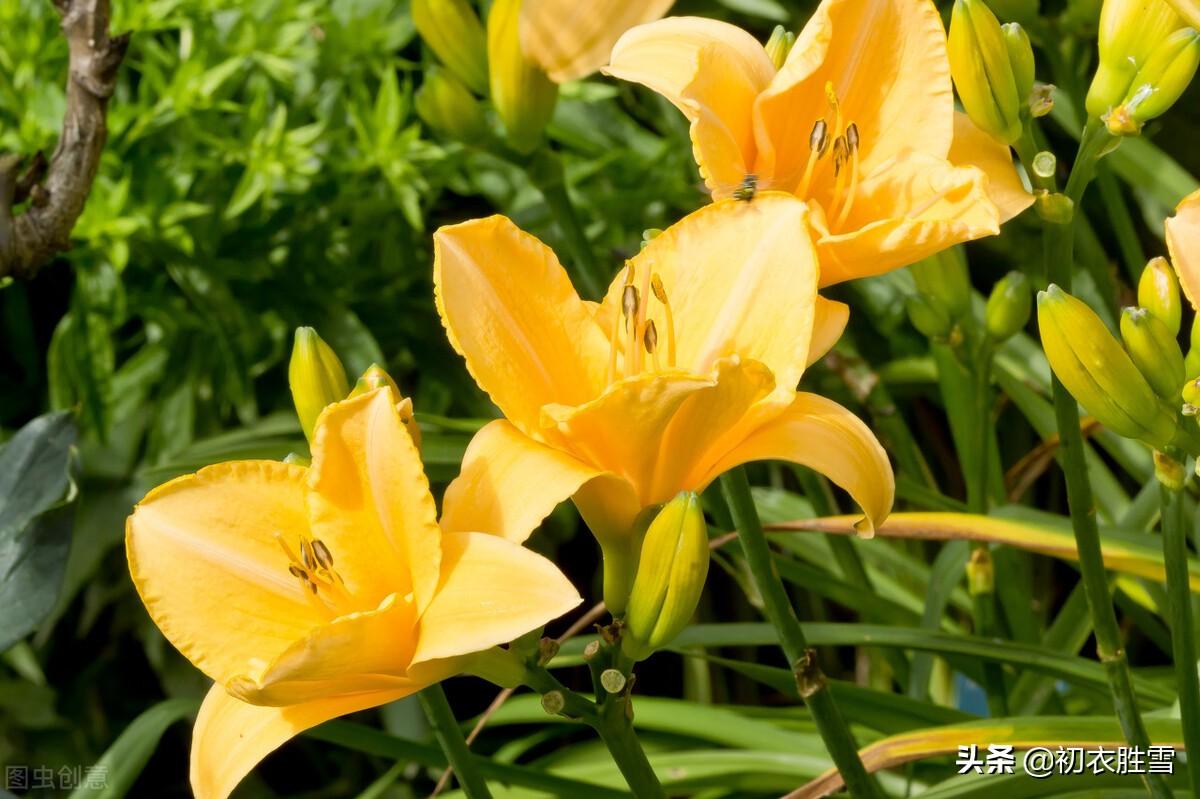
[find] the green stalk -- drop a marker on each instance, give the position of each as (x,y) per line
(449,735)
(1183,643)
(1058,253)
(615,727)
(547,173)
(811,681)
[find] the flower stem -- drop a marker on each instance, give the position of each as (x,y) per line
(449,735)
(1183,643)
(1058,254)
(615,727)
(813,688)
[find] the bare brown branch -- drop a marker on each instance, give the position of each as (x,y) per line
(59,190)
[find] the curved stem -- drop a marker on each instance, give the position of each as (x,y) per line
(615,727)
(1183,631)
(813,688)
(449,735)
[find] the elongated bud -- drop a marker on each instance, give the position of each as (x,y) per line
(929,318)
(1189,10)
(316,377)
(1191,392)
(1154,351)
(982,70)
(1158,293)
(1158,84)
(375,377)
(453,31)
(779,45)
(1020,57)
(1130,30)
(446,106)
(944,281)
(522,93)
(1098,372)
(670,576)
(1008,306)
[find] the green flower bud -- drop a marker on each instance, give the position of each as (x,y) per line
(375,377)
(445,105)
(929,318)
(452,30)
(1158,84)
(1154,351)
(779,45)
(1158,293)
(944,281)
(1008,306)
(1191,363)
(316,377)
(1191,392)
(1020,56)
(522,93)
(1130,30)
(1098,372)
(670,576)
(982,71)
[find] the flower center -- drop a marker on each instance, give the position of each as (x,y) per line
(634,330)
(322,585)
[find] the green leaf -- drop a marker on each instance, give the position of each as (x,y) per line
(35,522)
(123,762)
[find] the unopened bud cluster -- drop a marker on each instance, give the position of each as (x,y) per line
(993,69)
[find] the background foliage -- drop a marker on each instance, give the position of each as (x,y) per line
(266,170)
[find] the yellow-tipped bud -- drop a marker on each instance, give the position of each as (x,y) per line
(1008,306)
(375,377)
(927,317)
(522,93)
(670,576)
(1189,10)
(316,377)
(1158,293)
(1158,84)
(779,45)
(1020,56)
(1130,30)
(1191,392)
(453,31)
(944,281)
(448,107)
(982,70)
(1154,351)
(1098,372)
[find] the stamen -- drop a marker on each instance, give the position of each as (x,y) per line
(298,572)
(643,312)
(818,144)
(852,146)
(322,553)
(631,306)
(615,332)
(661,294)
(650,340)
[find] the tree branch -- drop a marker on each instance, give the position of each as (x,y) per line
(58,191)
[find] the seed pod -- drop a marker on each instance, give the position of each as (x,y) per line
(671,571)
(316,378)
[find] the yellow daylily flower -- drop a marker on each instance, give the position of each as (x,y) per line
(1183,242)
(309,593)
(687,368)
(571,40)
(859,121)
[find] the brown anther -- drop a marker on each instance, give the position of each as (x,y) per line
(818,140)
(650,339)
(840,154)
(298,572)
(306,554)
(629,304)
(656,286)
(322,554)
(852,137)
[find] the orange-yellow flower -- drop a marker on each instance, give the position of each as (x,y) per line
(859,121)
(687,368)
(1183,242)
(571,40)
(309,593)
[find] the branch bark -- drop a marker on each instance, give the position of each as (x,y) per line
(57,191)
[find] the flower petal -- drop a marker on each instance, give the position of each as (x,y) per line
(570,41)
(511,312)
(492,592)
(357,653)
(203,556)
(232,737)
(916,207)
(887,63)
(974,147)
(828,325)
(819,433)
(711,71)
(741,280)
(509,483)
(1183,242)
(369,501)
